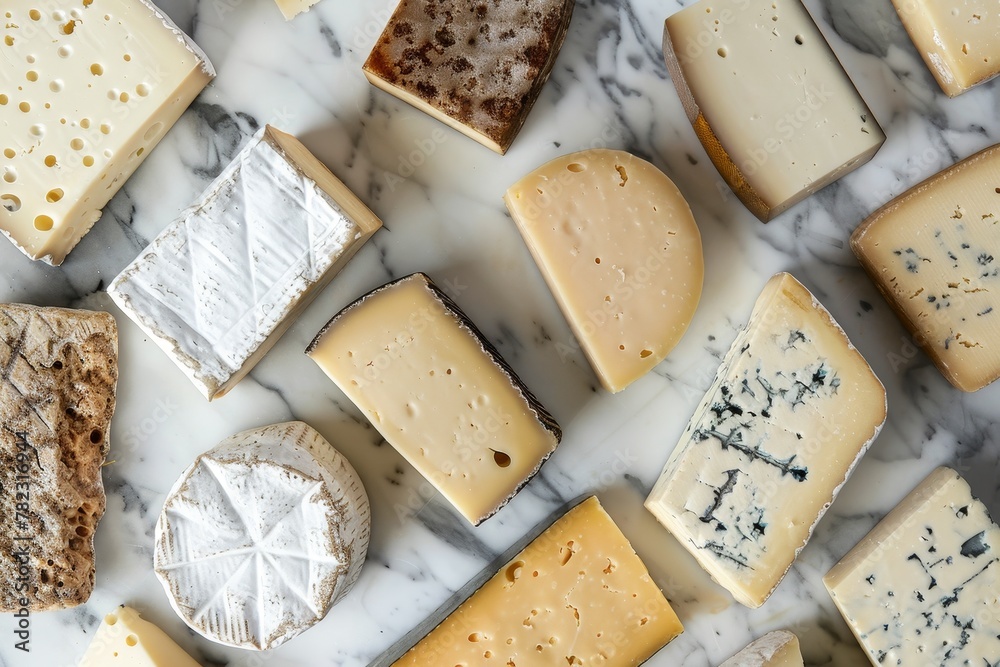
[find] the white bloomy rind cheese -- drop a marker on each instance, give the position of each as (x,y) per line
(775,649)
(262,535)
(923,588)
(87,90)
(934,253)
(125,639)
(791,412)
(220,285)
(439,393)
(770,102)
(618,246)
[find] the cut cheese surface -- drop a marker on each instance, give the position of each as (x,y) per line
(219,286)
(292,8)
(125,639)
(934,253)
(793,408)
(775,649)
(923,587)
(478,67)
(577,595)
(439,393)
(621,252)
(87,90)
(770,102)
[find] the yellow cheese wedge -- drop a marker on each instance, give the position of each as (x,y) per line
(125,639)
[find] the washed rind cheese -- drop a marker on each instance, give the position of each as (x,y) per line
(439,393)
(775,649)
(923,587)
(621,252)
(124,638)
(577,595)
(57,396)
(478,67)
(262,535)
(87,90)
(934,253)
(773,107)
(220,285)
(792,410)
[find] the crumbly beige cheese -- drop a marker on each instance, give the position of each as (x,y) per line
(775,649)
(123,639)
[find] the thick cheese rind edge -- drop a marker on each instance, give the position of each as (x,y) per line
(206,65)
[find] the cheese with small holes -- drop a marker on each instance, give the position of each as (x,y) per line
(775,649)
(923,587)
(218,287)
(934,253)
(792,410)
(773,107)
(618,246)
(439,393)
(87,89)
(125,639)
(261,536)
(577,595)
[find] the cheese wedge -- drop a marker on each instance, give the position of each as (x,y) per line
(292,8)
(125,639)
(775,649)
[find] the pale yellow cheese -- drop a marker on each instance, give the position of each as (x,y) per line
(292,8)
(125,639)
(576,596)
(618,246)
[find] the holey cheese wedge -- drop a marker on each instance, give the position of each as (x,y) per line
(87,89)
(439,393)
(934,253)
(125,640)
(261,536)
(792,410)
(775,649)
(476,66)
(923,588)
(618,246)
(773,107)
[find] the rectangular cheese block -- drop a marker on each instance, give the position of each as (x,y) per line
(789,415)
(221,284)
(934,253)
(775,649)
(87,89)
(959,40)
(923,587)
(125,639)
(773,107)
(577,595)
(57,395)
(439,393)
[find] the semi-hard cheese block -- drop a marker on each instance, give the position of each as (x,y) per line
(959,41)
(218,288)
(934,253)
(923,588)
(773,107)
(261,536)
(789,415)
(476,66)
(87,90)
(620,251)
(578,595)
(127,640)
(57,395)
(439,393)
(775,649)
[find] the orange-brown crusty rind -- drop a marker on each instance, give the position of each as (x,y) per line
(58,373)
(482,64)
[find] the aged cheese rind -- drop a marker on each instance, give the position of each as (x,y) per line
(621,252)
(792,410)
(577,595)
(934,254)
(773,107)
(775,649)
(58,374)
(478,67)
(218,288)
(87,90)
(262,535)
(923,587)
(125,639)
(439,393)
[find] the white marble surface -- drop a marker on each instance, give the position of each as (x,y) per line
(440,197)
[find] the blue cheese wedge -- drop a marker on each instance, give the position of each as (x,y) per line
(775,649)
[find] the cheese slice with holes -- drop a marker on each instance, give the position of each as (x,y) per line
(577,595)
(618,246)
(775,649)
(439,393)
(127,640)
(87,89)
